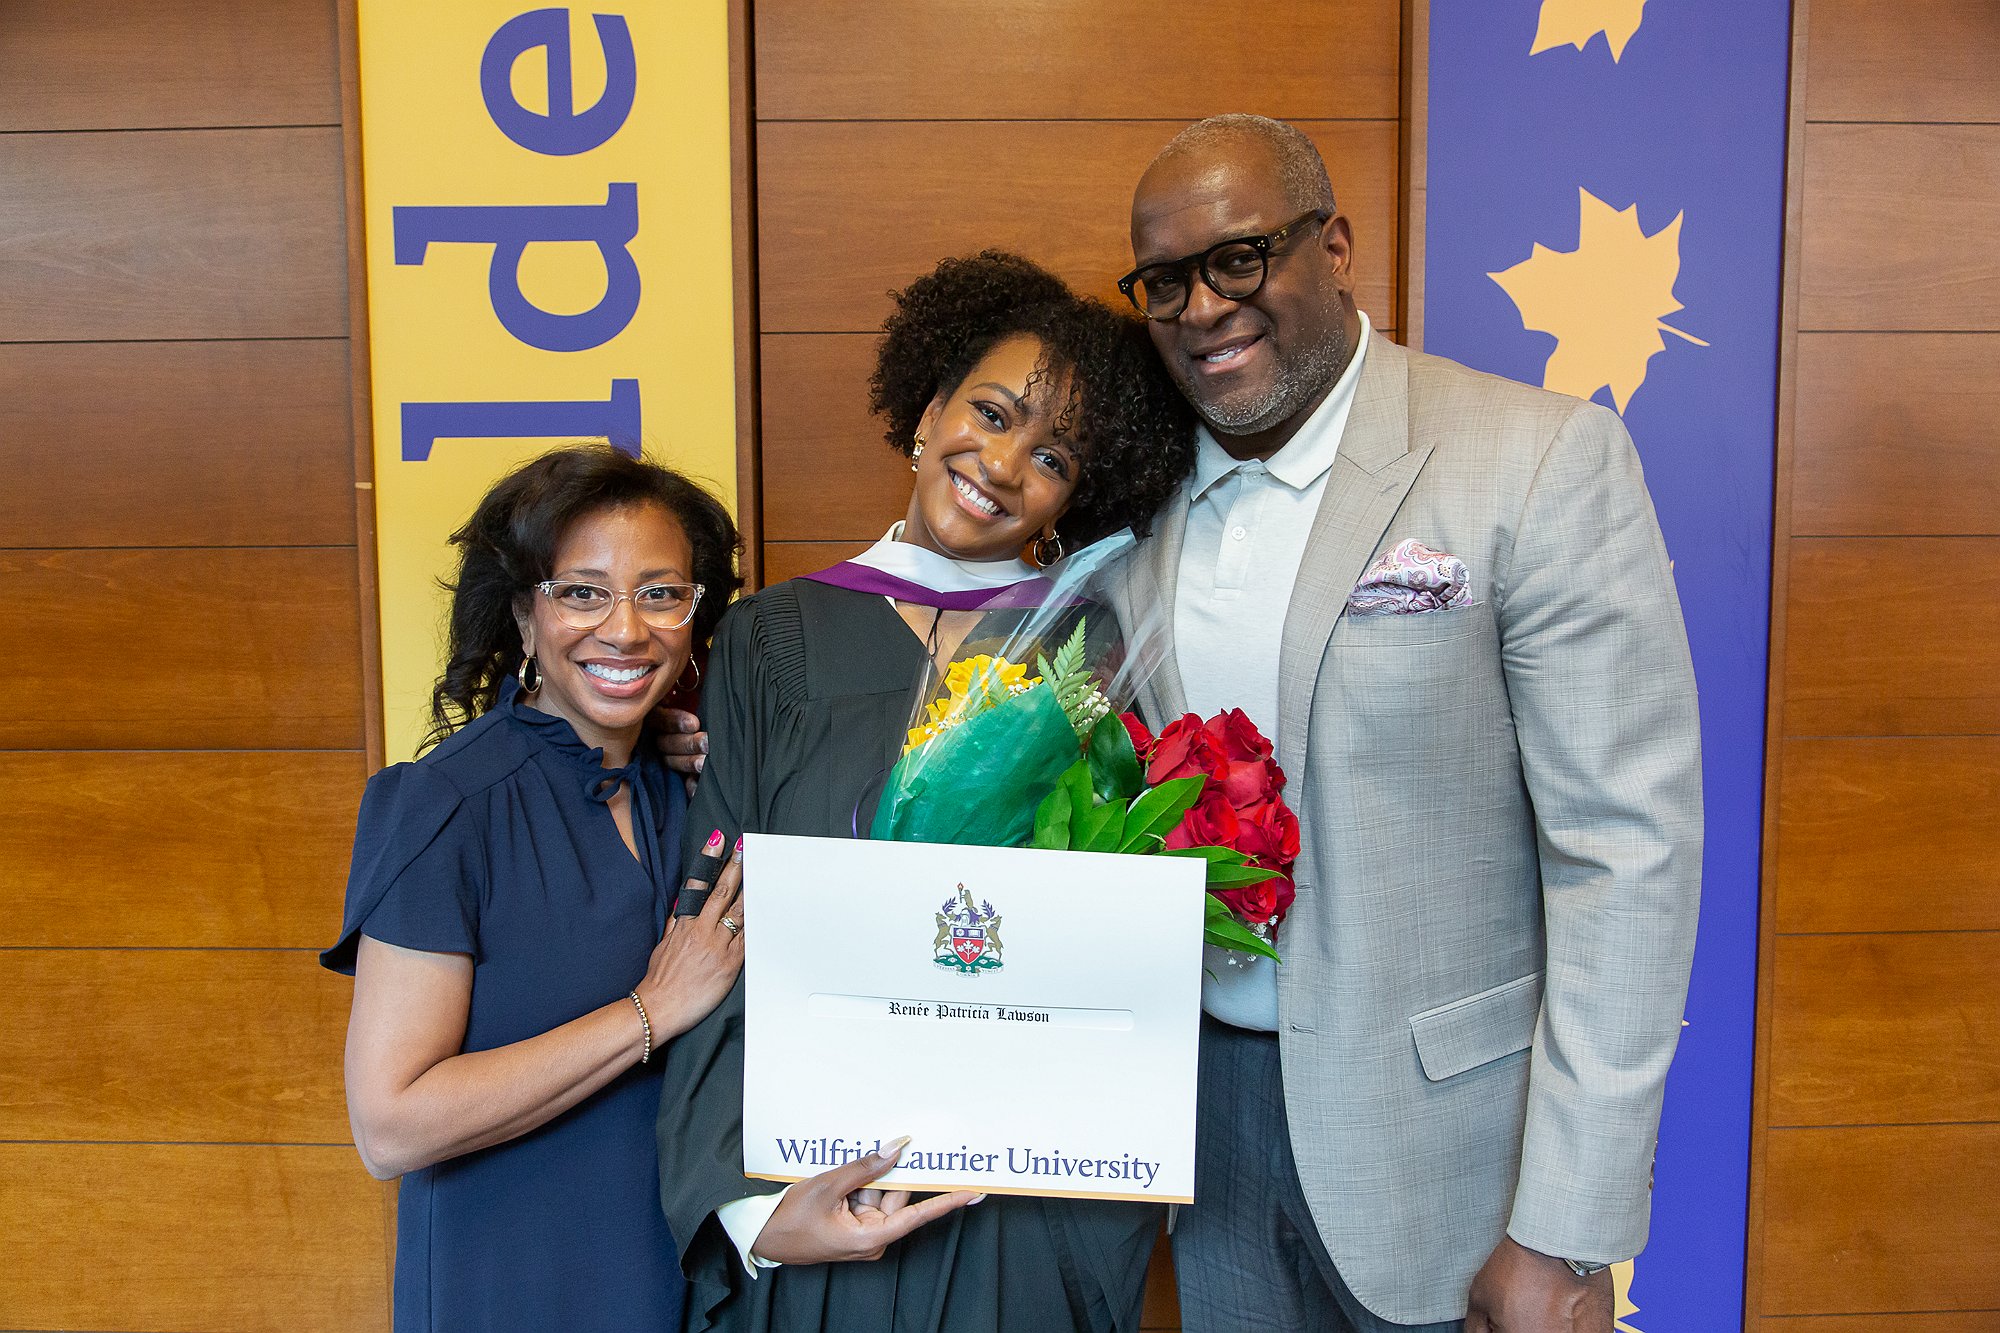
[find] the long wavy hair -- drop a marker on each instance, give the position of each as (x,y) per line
(509,545)
(1133,429)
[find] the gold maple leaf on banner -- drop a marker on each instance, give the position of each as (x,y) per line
(1621,1282)
(1577,21)
(1604,301)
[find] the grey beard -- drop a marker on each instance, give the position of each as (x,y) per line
(1299,381)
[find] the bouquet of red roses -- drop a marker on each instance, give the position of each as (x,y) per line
(1241,806)
(1023,743)
(1005,758)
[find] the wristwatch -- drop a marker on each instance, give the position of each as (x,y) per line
(1582,1269)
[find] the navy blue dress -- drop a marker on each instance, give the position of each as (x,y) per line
(499,844)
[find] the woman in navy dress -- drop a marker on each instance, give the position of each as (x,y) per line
(516,969)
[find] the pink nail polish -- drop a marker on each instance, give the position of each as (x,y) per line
(713,845)
(739,848)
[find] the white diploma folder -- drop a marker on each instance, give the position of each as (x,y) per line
(1028,1018)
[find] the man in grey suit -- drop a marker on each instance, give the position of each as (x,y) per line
(1446,598)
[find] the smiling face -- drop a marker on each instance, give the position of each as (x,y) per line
(1253,368)
(604,681)
(994,474)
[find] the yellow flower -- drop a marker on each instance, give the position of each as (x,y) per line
(999,675)
(972,685)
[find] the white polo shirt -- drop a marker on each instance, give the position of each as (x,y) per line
(1247,526)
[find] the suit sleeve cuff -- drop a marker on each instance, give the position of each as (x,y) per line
(744,1221)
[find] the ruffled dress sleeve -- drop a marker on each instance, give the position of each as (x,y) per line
(419,867)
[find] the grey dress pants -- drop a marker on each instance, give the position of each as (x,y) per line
(1246,1253)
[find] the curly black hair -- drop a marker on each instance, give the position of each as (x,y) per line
(509,545)
(1133,429)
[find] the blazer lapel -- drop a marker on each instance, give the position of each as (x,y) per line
(1152,581)
(1374,470)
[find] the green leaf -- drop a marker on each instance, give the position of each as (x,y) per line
(1235,877)
(1076,779)
(1222,929)
(1225,855)
(1052,819)
(1227,867)
(1115,774)
(1101,830)
(1157,812)
(1069,677)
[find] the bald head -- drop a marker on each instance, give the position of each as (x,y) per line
(1257,349)
(1254,141)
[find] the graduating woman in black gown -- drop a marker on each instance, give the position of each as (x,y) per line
(1030,416)
(515,971)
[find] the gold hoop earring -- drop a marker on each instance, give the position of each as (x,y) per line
(917,452)
(529,674)
(1041,549)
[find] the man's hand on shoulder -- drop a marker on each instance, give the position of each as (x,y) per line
(1521,1291)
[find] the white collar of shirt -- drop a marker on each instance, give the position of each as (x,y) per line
(1305,457)
(926,568)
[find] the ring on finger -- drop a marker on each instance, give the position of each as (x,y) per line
(731,925)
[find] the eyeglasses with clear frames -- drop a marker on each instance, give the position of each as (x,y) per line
(588,605)
(1233,269)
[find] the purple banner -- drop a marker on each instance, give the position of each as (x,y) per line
(1605,217)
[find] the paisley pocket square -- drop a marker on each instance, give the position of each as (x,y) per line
(1411,578)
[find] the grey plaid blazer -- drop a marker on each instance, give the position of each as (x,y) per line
(1487,963)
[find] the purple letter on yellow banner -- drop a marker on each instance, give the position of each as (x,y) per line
(534,180)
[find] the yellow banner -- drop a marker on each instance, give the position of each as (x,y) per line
(549,259)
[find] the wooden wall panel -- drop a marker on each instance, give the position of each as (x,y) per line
(1891,834)
(1885,1029)
(850,211)
(1891,637)
(828,473)
(177,533)
(171,1238)
(1163,1305)
(187,234)
(1060,60)
(1916,60)
(138,64)
(1885,748)
(1901,231)
(209,1046)
(787,560)
(176,444)
(238,849)
(171,649)
(1881,1218)
(1897,434)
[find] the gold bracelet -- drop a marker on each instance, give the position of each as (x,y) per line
(646,1025)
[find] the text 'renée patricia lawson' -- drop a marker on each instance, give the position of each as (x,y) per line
(998,1013)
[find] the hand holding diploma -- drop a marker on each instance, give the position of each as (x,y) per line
(834,1216)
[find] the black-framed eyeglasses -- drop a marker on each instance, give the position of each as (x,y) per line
(1233,269)
(588,605)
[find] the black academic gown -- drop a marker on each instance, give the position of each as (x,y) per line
(808,697)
